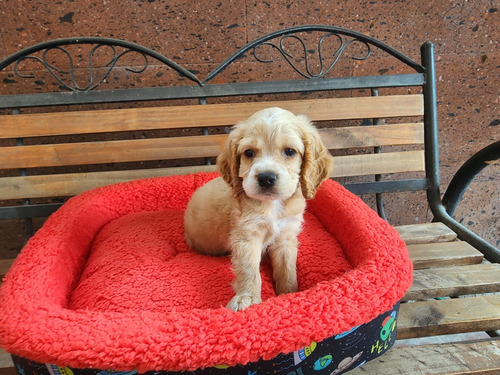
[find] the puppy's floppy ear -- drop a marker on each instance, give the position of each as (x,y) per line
(228,162)
(317,162)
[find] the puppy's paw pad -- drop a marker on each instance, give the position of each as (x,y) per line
(241,302)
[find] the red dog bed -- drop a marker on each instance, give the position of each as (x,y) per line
(109,282)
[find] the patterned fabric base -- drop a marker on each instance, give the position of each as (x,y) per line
(334,355)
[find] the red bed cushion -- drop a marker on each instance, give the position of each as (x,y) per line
(109,282)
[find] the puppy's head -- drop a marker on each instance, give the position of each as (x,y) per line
(273,153)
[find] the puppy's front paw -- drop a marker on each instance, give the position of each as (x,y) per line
(241,302)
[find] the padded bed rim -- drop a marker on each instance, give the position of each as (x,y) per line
(35,323)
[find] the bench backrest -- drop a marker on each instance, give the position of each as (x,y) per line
(380,126)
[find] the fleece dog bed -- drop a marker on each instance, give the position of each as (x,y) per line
(109,283)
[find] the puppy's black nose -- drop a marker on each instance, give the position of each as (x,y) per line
(266,179)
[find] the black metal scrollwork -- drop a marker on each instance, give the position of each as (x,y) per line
(307,71)
(345,38)
(332,44)
(74,86)
(41,51)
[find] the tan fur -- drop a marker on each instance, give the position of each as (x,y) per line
(235,213)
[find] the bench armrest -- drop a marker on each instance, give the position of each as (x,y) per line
(454,194)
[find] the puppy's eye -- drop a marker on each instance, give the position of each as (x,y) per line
(289,152)
(249,153)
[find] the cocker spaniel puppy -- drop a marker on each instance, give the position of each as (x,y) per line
(270,165)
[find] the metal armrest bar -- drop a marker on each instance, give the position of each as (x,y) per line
(465,175)
(490,252)
(432,162)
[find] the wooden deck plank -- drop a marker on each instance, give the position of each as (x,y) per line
(449,316)
(454,281)
(425,233)
(440,254)
(459,358)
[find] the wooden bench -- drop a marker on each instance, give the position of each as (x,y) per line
(380,127)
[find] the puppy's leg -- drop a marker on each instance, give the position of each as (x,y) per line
(283,254)
(245,257)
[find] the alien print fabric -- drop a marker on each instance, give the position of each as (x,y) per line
(335,355)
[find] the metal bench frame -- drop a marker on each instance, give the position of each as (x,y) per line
(424,76)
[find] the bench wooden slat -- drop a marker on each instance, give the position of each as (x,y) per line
(449,316)
(69,184)
(454,281)
(481,357)
(74,183)
(81,153)
(443,254)
(425,233)
(334,138)
(372,136)
(64,154)
(167,117)
(385,163)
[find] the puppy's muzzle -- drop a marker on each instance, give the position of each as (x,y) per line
(266,180)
